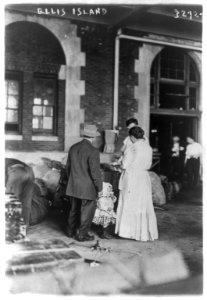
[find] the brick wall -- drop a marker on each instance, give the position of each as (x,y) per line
(32,48)
(98,44)
(128,79)
(38,51)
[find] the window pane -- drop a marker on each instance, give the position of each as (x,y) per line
(12,102)
(172,96)
(192,73)
(12,116)
(192,103)
(49,100)
(153,69)
(45,102)
(172,64)
(37,123)
(13,81)
(13,87)
(192,99)
(44,88)
(37,110)
(47,123)
(192,92)
(180,74)
(48,111)
(151,94)
(172,69)
(44,95)
(37,101)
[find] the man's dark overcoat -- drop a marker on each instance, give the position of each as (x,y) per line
(83,171)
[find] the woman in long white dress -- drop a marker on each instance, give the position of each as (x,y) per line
(136,217)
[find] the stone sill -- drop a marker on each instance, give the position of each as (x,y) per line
(44,138)
(13,137)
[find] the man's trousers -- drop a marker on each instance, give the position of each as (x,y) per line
(81,215)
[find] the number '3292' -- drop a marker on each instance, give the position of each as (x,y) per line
(187,14)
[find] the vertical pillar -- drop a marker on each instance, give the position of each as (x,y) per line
(74,87)
(142,92)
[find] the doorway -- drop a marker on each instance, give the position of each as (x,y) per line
(163,128)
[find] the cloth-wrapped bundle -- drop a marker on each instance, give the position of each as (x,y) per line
(158,193)
(104,214)
(15,228)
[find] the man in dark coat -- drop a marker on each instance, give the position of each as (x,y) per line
(84,184)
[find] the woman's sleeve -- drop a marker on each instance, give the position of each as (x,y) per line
(128,158)
(150,159)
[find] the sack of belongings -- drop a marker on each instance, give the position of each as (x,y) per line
(158,193)
(15,228)
(40,203)
(171,188)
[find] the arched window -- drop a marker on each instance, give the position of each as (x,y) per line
(32,49)
(174,81)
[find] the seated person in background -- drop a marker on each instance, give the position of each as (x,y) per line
(20,181)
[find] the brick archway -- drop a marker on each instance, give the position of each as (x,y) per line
(66,33)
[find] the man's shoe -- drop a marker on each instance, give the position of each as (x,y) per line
(70,234)
(106,235)
(84,238)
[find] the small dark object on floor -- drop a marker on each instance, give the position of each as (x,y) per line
(97,247)
(89,261)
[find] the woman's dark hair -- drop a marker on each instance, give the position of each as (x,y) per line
(137,132)
(131,120)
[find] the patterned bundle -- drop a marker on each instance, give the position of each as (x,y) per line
(15,227)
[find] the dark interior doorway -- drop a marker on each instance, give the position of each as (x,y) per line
(163,128)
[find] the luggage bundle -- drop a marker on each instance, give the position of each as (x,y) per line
(15,228)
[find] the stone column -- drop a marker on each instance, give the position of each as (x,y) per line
(74,87)
(147,53)
(197,57)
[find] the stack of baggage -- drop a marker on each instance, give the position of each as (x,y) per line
(15,228)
